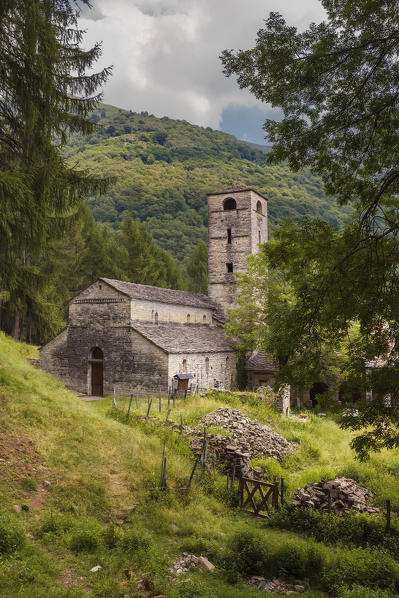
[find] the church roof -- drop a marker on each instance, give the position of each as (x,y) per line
(185,338)
(150,293)
(261,362)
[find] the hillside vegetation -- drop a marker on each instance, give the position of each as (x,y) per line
(165,168)
(78,488)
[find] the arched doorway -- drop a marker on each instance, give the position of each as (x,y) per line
(97,372)
(318,388)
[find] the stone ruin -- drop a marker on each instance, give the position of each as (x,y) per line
(277,585)
(339,495)
(190,561)
(247,438)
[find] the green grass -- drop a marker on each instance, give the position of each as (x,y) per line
(89,477)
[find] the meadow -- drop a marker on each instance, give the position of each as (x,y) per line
(79,488)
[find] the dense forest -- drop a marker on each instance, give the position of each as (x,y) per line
(164,169)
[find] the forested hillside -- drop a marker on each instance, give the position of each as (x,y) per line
(165,168)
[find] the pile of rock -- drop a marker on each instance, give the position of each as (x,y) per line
(339,495)
(249,436)
(225,452)
(190,561)
(277,586)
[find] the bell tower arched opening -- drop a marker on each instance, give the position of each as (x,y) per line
(96,372)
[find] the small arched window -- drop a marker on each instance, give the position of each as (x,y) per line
(207,364)
(229,204)
(96,353)
(184,366)
(156,317)
(259,238)
(204,318)
(227,360)
(188,318)
(259,207)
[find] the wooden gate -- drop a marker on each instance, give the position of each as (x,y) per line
(258,496)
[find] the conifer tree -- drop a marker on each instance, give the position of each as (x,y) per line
(45,94)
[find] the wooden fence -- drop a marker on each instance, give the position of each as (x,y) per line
(258,496)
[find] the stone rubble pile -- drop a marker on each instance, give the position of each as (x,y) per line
(190,561)
(250,436)
(225,452)
(277,586)
(345,494)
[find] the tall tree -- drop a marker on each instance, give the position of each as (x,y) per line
(197,269)
(337,84)
(45,94)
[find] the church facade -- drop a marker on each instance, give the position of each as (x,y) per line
(140,339)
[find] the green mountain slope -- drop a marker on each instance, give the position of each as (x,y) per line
(165,169)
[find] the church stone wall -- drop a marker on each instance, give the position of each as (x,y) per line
(146,310)
(219,371)
(99,305)
(54,359)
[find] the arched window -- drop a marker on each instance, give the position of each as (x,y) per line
(204,318)
(156,317)
(188,318)
(229,236)
(227,360)
(96,353)
(184,366)
(229,204)
(259,207)
(207,365)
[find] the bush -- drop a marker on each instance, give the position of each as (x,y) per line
(12,534)
(111,536)
(137,541)
(55,524)
(29,484)
(86,538)
(363,592)
(354,528)
(370,568)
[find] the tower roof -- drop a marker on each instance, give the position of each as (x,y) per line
(237,189)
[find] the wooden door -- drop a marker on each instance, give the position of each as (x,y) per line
(97,379)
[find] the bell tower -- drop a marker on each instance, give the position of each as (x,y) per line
(237,224)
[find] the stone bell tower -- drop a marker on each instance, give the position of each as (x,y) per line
(237,224)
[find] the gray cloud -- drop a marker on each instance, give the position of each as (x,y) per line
(165,52)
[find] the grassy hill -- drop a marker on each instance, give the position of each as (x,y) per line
(78,489)
(166,167)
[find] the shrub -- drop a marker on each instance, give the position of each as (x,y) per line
(55,524)
(111,536)
(137,541)
(86,538)
(12,534)
(370,568)
(363,592)
(29,484)
(354,528)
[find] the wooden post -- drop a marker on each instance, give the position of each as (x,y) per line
(130,404)
(149,407)
(137,402)
(388,525)
(192,472)
(167,417)
(181,425)
(174,399)
(160,403)
(233,477)
(282,491)
(241,491)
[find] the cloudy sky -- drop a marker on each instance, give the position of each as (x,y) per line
(165,56)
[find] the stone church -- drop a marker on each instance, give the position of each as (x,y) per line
(142,339)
